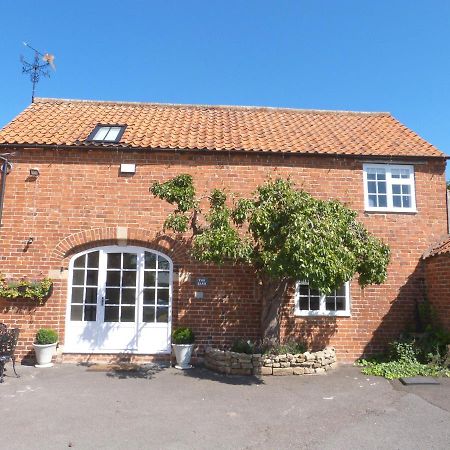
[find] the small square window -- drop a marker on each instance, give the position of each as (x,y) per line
(107,133)
(389,188)
(310,302)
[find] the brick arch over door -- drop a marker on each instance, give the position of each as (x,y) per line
(176,249)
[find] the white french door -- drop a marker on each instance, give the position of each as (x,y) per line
(120,300)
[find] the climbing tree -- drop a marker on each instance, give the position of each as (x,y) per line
(283,232)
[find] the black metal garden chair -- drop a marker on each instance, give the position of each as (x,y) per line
(8,342)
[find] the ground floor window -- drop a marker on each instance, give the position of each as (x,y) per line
(311,302)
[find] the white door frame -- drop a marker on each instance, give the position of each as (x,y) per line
(141,337)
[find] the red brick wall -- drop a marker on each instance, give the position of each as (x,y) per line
(79,200)
(437,276)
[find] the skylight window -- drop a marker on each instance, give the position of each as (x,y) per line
(107,133)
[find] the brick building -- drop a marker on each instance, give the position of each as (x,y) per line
(88,221)
(437,277)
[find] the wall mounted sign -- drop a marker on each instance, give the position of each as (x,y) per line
(201,282)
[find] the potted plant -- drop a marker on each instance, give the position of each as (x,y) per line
(183,343)
(45,346)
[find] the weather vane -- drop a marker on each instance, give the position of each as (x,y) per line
(38,68)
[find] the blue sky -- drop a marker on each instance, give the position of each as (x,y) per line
(348,54)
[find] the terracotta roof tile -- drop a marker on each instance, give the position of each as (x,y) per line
(150,125)
(438,248)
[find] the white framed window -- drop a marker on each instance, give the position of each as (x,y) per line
(311,302)
(389,187)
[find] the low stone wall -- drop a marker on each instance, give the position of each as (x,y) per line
(307,363)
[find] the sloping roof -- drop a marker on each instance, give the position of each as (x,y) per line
(438,248)
(149,125)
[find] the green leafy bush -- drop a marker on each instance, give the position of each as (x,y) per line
(183,335)
(46,336)
(243,346)
(401,361)
(292,347)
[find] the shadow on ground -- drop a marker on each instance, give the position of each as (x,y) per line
(205,374)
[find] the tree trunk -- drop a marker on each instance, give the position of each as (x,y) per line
(273,292)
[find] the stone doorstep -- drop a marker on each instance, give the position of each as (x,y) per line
(409,381)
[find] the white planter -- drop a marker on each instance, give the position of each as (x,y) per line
(183,353)
(44,354)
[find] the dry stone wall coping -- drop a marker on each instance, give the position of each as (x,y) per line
(308,363)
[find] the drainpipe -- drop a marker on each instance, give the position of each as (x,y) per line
(4,170)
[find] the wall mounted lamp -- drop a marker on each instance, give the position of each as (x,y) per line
(34,172)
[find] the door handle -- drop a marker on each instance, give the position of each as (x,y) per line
(103,301)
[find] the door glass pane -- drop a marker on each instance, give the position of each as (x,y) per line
(149,279)
(112,296)
(111,313)
(92,277)
(148,314)
(127,314)
(114,260)
(129,261)
(113,278)
(163,263)
(163,279)
(129,278)
(162,314)
(79,262)
(150,260)
(163,297)
(78,277)
(129,296)
(149,296)
(76,312)
(77,295)
(91,295)
(90,312)
(93,260)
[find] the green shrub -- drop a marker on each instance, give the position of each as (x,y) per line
(46,336)
(401,361)
(183,335)
(292,347)
(243,346)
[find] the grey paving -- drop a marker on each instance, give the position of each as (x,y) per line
(68,406)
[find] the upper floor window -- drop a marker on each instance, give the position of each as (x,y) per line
(389,188)
(311,302)
(107,133)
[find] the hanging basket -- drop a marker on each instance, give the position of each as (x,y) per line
(23,289)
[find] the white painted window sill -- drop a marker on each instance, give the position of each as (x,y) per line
(322,314)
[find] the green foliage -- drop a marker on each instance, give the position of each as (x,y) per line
(401,361)
(292,347)
(26,289)
(183,335)
(243,346)
(283,232)
(46,336)
(179,191)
